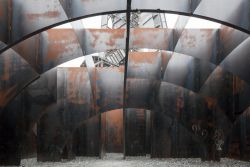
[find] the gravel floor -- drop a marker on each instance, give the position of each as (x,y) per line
(116,160)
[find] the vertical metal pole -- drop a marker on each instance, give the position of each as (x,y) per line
(128,12)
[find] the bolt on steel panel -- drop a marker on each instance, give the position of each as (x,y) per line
(144,65)
(230,11)
(31,15)
(109,88)
(238,61)
(15,73)
(78,8)
(58,46)
(188,72)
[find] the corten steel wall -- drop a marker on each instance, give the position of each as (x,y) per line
(20,19)
(222,90)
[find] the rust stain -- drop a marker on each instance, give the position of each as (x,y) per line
(143,57)
(143,38)
(211,102)
(77,78)
(6,94)
(7,67)
(188,39)
(60,41)
(238,85)
(48,14)
(112,35)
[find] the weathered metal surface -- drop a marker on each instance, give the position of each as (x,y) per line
(99,40)
(78,8)
(31,15)
(58,46)
(29,49)
(188,72)
(144,65)
(201,44)
(238,60)
(114,131)
(230,11)
(229,39)
(4,22)
(170,5)
(87,138)
(142,38)
(135,134)
(74,93)
(236,13)
(229,92)
(15,74)
(109,89)
(140,93)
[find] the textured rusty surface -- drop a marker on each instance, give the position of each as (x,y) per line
(135,135)
(238,60)
(187,71)
(15,73)
(32,15)
(237,12)
(142,38)
(114,131)
(57,47)
(79,8)
(109,97)
(144,65)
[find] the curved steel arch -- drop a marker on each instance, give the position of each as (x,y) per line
(52,13)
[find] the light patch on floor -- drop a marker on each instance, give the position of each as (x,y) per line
(116,160)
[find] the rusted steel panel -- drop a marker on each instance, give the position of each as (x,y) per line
(79,8)
(135,134)
(29,49)
(15,73)
(196,114)
(188,72)
(229,39)
(99,40)
(32,15)
(74,93)
(170,5)
(237,62)
(4,22)
(86,138)
(227,91)
(165,57)
(144,65)
(201,44)
(141,93)
(58,46)
(109,88)
(114,131)
(142,38)
(236,12)
(230,11)
(179,28)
